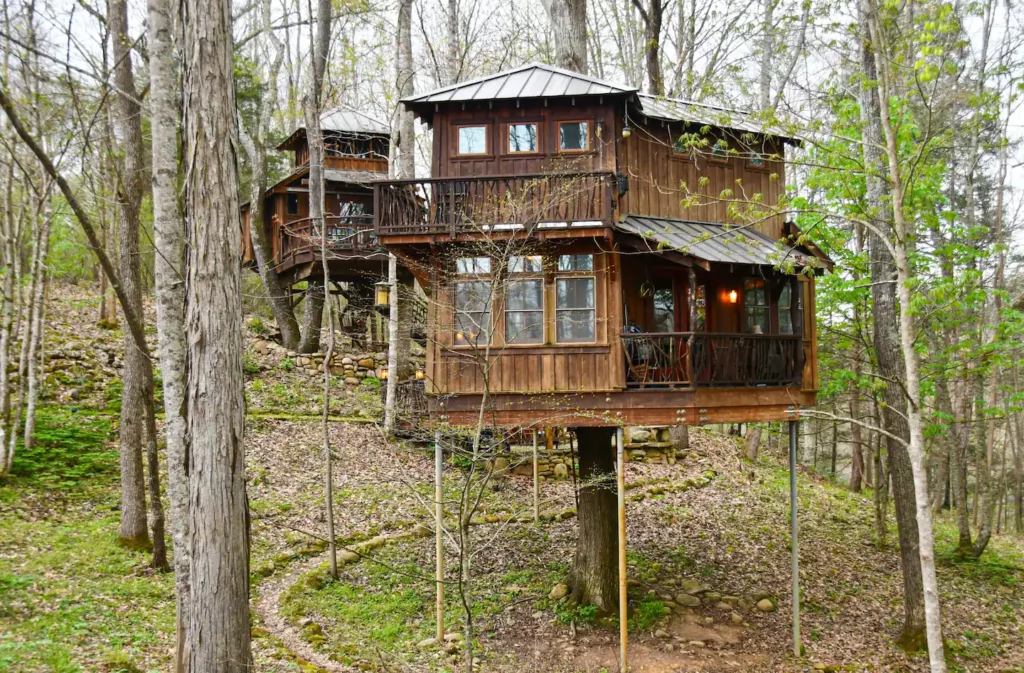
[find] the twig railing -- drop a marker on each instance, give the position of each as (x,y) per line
(350,233)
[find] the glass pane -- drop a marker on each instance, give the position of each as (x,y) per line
(575,262)
(522,137)
(472,140)
(525,295)
(572,136)
(575,326)
(755,292)
(465,266)
(524,327)
(757,320)
(664,307)
(528,264)
(574,293)
(720,148)
(472,327)
(472,296)
(756,160)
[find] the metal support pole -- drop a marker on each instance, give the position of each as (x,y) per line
(536,482)
(621,490)
(438,540)
(794,427)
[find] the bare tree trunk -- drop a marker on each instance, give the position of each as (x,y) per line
(594,577)
(218,625)
(752,442)
(169,241)
(653,16)
(6,321)
(312,316)
(404,81)
(767,53)
(569,33)
(857,450)
(35,331)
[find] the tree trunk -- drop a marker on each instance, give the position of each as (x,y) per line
(595,574)
(218,625)
(404,77)
(169,274)
(857,450)
(752,442)
(891,365)
(312,316)
(653,16)
(568,22)
(137,374)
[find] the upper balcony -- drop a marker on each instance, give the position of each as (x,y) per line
(467,206)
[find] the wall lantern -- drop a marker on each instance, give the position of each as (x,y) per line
(382,296)
(626,131)
(384,374)
(733,296)
(420,375)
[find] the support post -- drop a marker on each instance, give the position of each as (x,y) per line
(438,540)
(620,465)
(536,482)
(793,435)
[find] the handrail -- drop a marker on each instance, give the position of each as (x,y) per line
(709,359)
(344,232)
(502,176)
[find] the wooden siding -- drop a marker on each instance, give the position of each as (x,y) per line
(660,180)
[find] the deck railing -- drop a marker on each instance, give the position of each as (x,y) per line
(699,359)
(345,234)
(494,203)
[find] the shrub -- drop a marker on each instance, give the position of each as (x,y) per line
(249,365)
(287,364)
(256,325)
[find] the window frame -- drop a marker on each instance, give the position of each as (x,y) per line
(473,277)
(574,275)
(589,136)
(763,168)
(507,138)
(766,307)
(458,126)
(525,277)
(720,159)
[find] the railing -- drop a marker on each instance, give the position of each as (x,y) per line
(493,204)
(345,234)
(697,359)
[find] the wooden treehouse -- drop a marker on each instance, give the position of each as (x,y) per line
(596,256)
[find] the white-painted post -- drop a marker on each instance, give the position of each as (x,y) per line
(438,539)
(793,435)
(621,490)
(536,481)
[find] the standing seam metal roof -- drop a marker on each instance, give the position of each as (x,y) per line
(709,241)
(536,80)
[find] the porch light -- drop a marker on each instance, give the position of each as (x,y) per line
(420,375)
(382,295)
(733,296)
(626,131)
(384,374)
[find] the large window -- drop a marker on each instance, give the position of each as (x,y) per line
(575,262)
(473,300)
(472,140)
(524,311)
(755,302)
(573,136)
(522,138)
(785,308)
(664,305)
(525,264)
(574,310)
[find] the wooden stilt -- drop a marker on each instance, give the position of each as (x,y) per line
(438,539)
(621,490)
(536,482)
(793,435)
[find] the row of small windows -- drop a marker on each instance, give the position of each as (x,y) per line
(575,304)
(719,152)
(523,138)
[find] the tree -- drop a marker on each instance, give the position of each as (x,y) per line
(218,624)
(653,16)
(594,576)
(569,28)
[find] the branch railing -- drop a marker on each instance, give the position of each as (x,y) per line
(699,359)
(349,233)
(494,203)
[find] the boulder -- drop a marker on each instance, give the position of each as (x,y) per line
(692,586)
(559,592)
(561,471)
(638,435)
(688,600)
(500,464)
(260,347)
(366,362)
(426,642)
(765,605)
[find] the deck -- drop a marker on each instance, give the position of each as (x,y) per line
(353,250)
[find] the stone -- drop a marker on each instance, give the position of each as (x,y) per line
(765,605)
(347,361)
(351,380)
(346,556)
(419,530)
(500,463)
(568,513)
(561,471)
(722,605)
(559,592)
(637,454)
(745,604)
(261,347)
(661,633)
(736,618)
(453,636)
(688,600)
(638,435)
(696,643)
(366,362)
(691,586)
(426,642)
(709,620)
(712,596)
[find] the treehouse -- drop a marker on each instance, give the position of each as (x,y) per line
(596,256)
(356,150)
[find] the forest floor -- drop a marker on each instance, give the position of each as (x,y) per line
(72,600)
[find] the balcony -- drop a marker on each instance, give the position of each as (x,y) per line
(702,360)
(299,240)
(475,205)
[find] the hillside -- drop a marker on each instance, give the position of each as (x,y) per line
(711,527)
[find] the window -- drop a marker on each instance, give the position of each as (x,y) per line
(472,140)
(524,311)
(756,160)
(575,262)
(522,138)
(293,204)
(720,151)
(785,307)
(664,305)
(527,264)
(755,302)
(574,310)
(472,266)
(472,312)
(574,136)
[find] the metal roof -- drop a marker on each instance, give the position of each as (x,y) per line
(352,121)
(535,80)
(709,241)
(353,177)
(677,109)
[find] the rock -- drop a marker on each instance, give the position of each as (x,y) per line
(419,530)
(639,435)
(692,586)
(745,604)
(559,592)
(722,605)
(500,463)
(453,636)
(696,643)
(347,361)
(351,380)
(688,600)
(567,513)
(761,595)
(661,633)
(426,642)
(561,471)
(347,556)
(709,620)
(712,596)
(731,600)
(261,347)
(765,605)
(736,618)
(366,362)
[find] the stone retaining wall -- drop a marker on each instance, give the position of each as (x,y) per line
(352,366)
